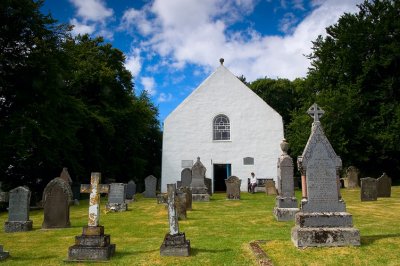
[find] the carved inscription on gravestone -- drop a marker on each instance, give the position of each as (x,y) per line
(117,193)
(18,209)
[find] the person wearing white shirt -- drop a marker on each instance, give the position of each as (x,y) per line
(253,182)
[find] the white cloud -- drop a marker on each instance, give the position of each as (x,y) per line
(133,62)
(92,10)
(81,28)
(164,97)
(149,85)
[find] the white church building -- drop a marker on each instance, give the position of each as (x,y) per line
(227,125)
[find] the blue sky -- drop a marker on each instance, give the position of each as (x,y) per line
(171,46)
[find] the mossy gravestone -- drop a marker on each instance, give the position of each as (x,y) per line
(18,211)
(116,198)
(198,186)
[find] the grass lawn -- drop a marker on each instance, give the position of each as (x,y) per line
(220,232)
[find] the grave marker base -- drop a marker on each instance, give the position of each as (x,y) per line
(200,197)
(285,214)
(17,226)
(325,237)
(116,207)
(175,245)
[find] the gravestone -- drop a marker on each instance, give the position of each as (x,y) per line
(384,186)
(286,202)
(207,182)
(322,220)
(353,177)
(198,187)
(260,185)
(57,197)
(93,244)
(186,177)
(18,211)
(130,190)
(150,187)
(3,254)
(233,187)
(188,195)
(180,203)
(65,176)
(175,242)
(369,189)
(270,187)
(116,198)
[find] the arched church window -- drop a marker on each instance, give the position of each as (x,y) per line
(222,128)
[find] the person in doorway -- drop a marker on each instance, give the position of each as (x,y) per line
(253,182)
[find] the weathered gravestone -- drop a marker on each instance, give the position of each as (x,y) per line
(207,182)
(116,198)
(3,254)
(233,187)
(384,186)
(150,187)
(18,211)
(57,197)
(93,244)
(186,177)
(353,177)
(130,190)
(286,202)
(175,242)
(322,220)
(65,176)
(270,187)
(198,187)
(180,204)
(369,189)
(188,195)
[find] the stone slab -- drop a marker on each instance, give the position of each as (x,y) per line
(369,189)
(324,219)
(116,207)
(325,237)
(93,241)
(83,253)
(284,202)
(285,214)
(200,197)
(17,226)
(175,245)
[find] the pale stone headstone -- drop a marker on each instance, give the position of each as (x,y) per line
(270,187)
(18,211)
(369,189)
(233,187)
(198,187)
(130,190)
(186,177)
(322,220)
(175,242)
(353,177)
(384,186)
(116,198)
(93,244)
(150,187)
(57,197)
(286,202)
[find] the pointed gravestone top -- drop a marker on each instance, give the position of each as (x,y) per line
(198,175)
(315,112)
(65,176)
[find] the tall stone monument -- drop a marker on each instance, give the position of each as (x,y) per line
(175,242)
(93,244)
(322,220)
(18,211)
(198,187)
(285,203)
(57,197)
(116,198)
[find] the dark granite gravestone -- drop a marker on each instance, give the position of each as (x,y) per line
(57,197)
(93,244)
(198,187)
(116,198)
(369,189)
(151,186)
(270,187)
(233,187)
(130,190)
(322,220)
(353,177)
(207,182)
(384,186)
(175,242)
(286,202)
(186,177)
(18,211)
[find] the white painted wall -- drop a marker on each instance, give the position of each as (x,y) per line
(256,131)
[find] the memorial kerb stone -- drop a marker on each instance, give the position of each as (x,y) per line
(175,242)
(186,177)
(116,198)
(198,186)
(353,177)
(18,211)
(130,190)
(285,203)
(322,220)
(233,188)
(369,189)
(150,187)
(93,244)
(384,186)
(270,187)
(57,197)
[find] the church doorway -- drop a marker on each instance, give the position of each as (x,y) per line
(221,172)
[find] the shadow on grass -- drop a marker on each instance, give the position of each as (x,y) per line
(368,240)
(130,253)
(195,251)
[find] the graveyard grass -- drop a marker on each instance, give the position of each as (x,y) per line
(220,232)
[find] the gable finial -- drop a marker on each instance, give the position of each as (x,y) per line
(221,60)
(315,112)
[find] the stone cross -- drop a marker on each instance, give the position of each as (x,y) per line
(315,112)
(172,213)
(95,188)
